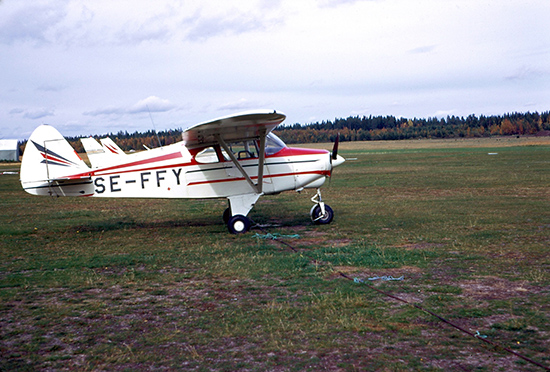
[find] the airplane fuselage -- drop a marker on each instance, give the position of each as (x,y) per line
(172,172)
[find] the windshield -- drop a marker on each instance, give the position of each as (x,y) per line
(273,144)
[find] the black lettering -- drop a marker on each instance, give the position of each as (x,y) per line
(114,183)
(100,187)
(159,178)
(177,174)
(143,179)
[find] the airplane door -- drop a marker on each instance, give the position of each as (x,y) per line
(281,173)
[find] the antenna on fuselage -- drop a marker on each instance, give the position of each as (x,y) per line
(154,128)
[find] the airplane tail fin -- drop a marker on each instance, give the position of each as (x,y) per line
(50,166)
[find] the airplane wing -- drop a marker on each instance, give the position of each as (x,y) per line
(239,127)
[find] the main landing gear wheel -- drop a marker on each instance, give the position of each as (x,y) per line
(238,224)
(318,217)
(226,215)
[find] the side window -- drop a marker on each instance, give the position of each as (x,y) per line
(244,150)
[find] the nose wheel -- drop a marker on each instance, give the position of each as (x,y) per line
(321,214)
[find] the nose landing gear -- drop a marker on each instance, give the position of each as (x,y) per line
(321,213)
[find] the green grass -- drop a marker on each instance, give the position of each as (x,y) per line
(92,284)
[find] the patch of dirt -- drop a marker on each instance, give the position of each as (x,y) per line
(494,288)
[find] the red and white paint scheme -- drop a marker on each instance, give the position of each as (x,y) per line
(234,157)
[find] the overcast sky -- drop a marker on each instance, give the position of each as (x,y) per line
(94,67)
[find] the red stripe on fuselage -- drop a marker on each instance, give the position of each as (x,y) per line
(115,169)
(321,173)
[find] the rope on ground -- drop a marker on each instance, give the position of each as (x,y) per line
(386,278)
(476,335)
(275,236)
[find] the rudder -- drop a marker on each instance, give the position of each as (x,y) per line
(50,166)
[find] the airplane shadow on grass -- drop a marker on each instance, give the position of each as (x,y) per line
(211,222)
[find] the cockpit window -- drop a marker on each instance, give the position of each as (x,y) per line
(273,144)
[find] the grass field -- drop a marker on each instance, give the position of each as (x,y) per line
(111,284)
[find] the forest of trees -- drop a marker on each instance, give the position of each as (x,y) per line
(371,128)
(374,128)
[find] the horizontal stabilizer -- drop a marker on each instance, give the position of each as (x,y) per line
(111,147)
(102,155)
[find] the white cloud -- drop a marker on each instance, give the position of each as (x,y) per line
(149,104)
(241,104)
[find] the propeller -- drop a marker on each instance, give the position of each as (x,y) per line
(334,154)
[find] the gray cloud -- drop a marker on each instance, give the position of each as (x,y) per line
(107,111)
(204,28)
(36,113)
(50,88)
(31,23)
(524,73)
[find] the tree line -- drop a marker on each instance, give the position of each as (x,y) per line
(363,128)
(373,128)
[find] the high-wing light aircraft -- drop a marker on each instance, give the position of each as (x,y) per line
(234,157)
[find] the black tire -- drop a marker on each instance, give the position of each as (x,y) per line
(238,224)
(318,218)
(226,215)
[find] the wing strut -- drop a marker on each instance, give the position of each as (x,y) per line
(263,135)
(257,187)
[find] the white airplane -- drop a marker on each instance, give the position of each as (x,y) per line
(234,157)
